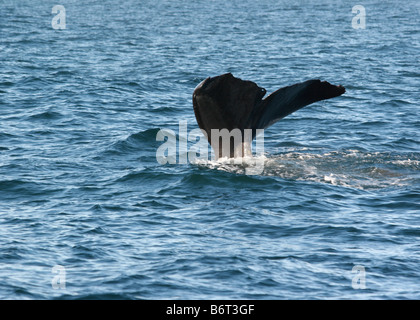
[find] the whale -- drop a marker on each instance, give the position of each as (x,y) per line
(229,104)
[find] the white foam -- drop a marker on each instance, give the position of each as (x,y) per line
(243,165)
(331,179)
(350,168)
(408,162)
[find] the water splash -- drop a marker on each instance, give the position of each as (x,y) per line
(348,168)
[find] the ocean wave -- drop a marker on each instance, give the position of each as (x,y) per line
(135,142)
(46,115)
(395,102)
(19,189)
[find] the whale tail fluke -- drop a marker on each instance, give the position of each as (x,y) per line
(226,102)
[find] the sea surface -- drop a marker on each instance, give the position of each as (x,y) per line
(87,211)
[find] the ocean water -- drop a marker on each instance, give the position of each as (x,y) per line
(87,212)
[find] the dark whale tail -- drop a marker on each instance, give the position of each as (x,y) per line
(226,102)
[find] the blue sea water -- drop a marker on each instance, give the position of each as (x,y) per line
(80,185)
